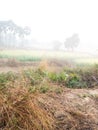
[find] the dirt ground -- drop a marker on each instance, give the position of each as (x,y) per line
(15,66)
(74,109)
(48,64)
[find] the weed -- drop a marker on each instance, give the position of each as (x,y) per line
(44,89)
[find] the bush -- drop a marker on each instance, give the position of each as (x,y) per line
(76,77)
(35,77)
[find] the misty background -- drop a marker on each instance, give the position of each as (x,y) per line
(48,24)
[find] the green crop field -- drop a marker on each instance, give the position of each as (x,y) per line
(32,55)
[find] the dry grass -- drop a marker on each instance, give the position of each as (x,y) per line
(77,120)
(43,65)
(72,112)
(54,65)
(20,111)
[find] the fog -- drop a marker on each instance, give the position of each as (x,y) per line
(53,21)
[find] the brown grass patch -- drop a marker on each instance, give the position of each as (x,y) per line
(20,111)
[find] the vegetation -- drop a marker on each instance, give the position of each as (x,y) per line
(29,55)
(72,42)
(21,105)
(44,99)
(11,35)
(74,78)
(77,77)
(74,75)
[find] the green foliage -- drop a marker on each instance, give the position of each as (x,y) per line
(28,58)
(85,77)
(53,77)
(39,80)
(61,77)
(21,57)
(32,89)
(5,78)
(35,77)
(44,89)
(74,81)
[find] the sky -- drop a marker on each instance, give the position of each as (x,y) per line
(52,20)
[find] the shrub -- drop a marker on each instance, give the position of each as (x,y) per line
(35,77)
(76,77)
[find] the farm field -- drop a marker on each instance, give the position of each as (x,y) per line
(31,58)
(42,90)
(32,55)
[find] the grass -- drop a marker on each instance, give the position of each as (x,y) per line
(21,58)
(19,108)
(41,79)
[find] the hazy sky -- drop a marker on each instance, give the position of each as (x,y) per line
(55,19)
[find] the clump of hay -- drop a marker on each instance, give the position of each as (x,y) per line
(20,110)
(43,65)
(47,65)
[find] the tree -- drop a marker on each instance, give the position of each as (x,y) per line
(9,32)
(72,42)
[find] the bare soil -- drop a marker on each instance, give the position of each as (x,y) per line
(74,109)
(50,64)
(15,66)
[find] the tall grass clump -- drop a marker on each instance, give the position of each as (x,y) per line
(21,111)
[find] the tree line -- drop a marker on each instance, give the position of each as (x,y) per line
(13,36)
(70,43)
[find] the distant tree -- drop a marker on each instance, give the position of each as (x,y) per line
(9,32)
(56,45)
(72,42)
